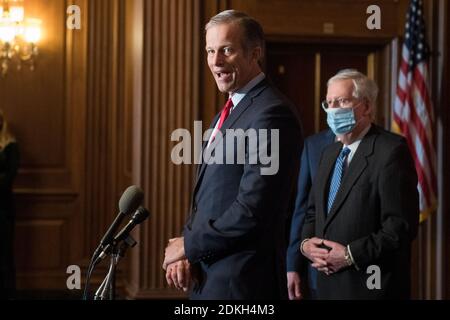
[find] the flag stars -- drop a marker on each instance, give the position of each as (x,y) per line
(415,34)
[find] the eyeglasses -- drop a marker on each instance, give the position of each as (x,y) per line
(341,102)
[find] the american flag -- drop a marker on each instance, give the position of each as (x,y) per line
(413,110)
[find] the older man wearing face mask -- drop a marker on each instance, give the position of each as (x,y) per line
(363,210)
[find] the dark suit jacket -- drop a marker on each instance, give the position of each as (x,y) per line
(236,230)
(376,212)
(312,150)
(9,163)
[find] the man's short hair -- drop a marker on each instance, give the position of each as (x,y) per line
(252,30)
(363,87)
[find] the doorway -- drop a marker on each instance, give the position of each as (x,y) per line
(301,72)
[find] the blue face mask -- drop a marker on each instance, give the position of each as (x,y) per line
(340,120)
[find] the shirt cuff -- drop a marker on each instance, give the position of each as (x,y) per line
(351,257)
(301,246)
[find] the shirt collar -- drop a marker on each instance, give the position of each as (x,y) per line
(237,96)
(354,145)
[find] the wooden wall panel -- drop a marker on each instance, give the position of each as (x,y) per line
(443,138)
(108,125)
(306,18)
(38,238)
(74,131)
(46,109)
(36,103)
(170,91)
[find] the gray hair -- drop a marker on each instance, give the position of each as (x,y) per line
(363,87)
(252,30)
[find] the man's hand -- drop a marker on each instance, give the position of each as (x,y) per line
(336,257)
(293,285)
(313,251)
(174,251)
(178,275)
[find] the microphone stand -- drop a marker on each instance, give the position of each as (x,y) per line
(107,290)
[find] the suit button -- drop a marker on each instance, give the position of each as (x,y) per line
(194,208)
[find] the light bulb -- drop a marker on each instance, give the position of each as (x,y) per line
(32,32)
(7,30)
(16,13)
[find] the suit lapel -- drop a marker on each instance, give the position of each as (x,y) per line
(354,171)
(330,137)
(200,167)
(242,106)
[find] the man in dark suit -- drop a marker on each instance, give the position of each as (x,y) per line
(296,263)
(235,236)
(363,212)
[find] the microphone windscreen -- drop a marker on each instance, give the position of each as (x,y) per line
(131,199)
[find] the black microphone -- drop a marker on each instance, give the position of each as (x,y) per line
(128,203)
(138,217)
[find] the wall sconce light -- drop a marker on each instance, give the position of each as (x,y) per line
(18,36)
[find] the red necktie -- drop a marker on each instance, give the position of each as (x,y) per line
(223,116)
(225,113)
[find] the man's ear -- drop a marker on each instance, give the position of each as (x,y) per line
(367,107)
(257,53)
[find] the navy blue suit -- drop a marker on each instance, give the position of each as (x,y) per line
(235,236)
(312,150)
